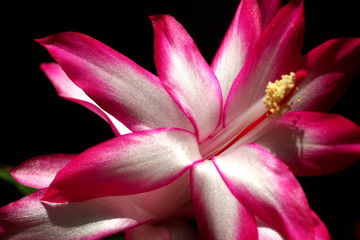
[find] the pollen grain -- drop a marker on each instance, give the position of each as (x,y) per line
(277,94)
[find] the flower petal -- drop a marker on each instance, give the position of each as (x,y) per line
(68,90)
(218,213)
(268,9)
(40,171)
(129,164)
(313,143)
(243,33)
(330,67)
(186,75)
(276,53)
(29,218)
(267,188)
(128,92)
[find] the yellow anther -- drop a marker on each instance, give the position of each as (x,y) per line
(277,91)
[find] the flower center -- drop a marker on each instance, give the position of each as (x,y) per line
(276,92)
(258,119)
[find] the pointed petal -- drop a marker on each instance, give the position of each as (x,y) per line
(268,9)
(276,53)
(38,172)
(267,188)
(128,92)
(243,33)
(186,75)
(218,213)
(330,67)
(68,90)
(137,162)
(314,143)
(29,218)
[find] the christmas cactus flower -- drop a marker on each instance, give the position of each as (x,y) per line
(221,142)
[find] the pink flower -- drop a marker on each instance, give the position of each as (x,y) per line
(223,130)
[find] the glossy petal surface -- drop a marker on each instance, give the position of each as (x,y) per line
(38,172)
(314,143)
(68,90)
(266,187)
(129,164)
(29,218)
(276,53)
(330,67)
(243,33)
(186,75)
(218,213)
(128,92)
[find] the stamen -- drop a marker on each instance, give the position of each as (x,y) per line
(276,92)
(279,92)
(257,120)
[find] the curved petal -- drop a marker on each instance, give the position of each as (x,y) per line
(268,9)
(276,53)
(129,164)
(40,171)
(267,188)
(29,218)
(243,33)
(330,67)
(218,213)
(128,92)
(313,143)
(68,90)
(186,75)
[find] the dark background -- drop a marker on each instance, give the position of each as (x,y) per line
(36,121)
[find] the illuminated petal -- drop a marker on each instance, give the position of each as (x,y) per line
(242,34)
(129,164)
(68,90)
(267,188)
(29,218)
(218,213)
(38,172)
(186,75)
(276,53)
(128,92)
(314,143)
(330,67)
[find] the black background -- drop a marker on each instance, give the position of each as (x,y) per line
(36,121)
